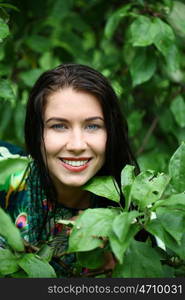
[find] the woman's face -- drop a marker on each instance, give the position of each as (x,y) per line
(74,136)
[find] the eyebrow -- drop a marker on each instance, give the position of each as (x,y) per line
(65,120)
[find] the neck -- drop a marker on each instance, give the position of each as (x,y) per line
(73,197)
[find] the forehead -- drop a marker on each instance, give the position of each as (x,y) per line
(69,102)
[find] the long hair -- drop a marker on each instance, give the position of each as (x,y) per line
(80,78)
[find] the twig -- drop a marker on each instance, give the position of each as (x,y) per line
(60,254)
(29,247)
(92,274)
(147,136)
(65,266)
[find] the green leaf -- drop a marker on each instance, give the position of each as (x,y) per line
(148,188)
(8,262)
(71,42)
(10,232)
(104,186)
(48,61)
(10,165)
(59,10)
(127,179)
(128,53)
(178,109)
(173,222)
(146,160)
(140,261)
(2,53)
(122,223)
(180,251)
(39,43)
(169,272)
(156,228)
(164,38)
(119,247)
(179,133)
(166,118)
(89,226)
(36,267)
(176,201)
(6,116)
(180,271)
(143,66)
(147,31)
(7,5)
(29,77)
(19,274)
(114,20)
(143,31)
(45,252)
(4,30)
(6,91)
(92,259)
(172,58)
(177,169)
(135,123)
(19,116)
(176,18)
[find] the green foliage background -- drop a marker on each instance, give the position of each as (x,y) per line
(137,44)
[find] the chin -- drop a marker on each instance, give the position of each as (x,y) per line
(74,183)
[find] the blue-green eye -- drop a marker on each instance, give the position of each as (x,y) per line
(58,126)
(93,126)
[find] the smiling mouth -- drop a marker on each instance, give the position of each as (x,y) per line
(75,162)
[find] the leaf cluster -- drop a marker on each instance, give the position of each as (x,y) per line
(15,262)
(146,236)
(154,204)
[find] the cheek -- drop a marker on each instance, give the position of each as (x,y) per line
(52,142)
(99,144)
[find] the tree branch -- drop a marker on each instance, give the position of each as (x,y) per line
(147,136)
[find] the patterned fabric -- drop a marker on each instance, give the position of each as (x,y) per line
(16,198)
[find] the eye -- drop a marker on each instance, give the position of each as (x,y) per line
(59,126)
(93,127)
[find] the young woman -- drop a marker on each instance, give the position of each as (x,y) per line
(74,130)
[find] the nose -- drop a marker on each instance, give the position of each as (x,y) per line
(76,141)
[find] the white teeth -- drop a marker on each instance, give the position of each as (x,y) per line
(73,163)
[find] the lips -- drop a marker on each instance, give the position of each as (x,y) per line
(75,164)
